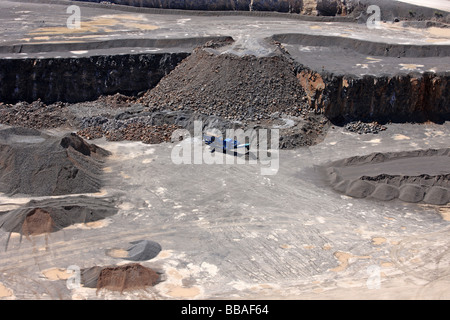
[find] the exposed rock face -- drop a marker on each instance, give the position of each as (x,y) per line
(217,5)
(399,98)
(390,10)
(309,7)
(82,79)
(331,7)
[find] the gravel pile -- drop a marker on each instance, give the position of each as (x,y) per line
(240,88)
(364,127)
(133,129)
(36,164)
(35,115)
(50,215)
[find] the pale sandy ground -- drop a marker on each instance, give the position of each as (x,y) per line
(228,232)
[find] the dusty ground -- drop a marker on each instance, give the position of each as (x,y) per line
(226,231)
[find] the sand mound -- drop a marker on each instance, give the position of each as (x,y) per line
(119,278)
(360,189)
(413,176)
(437,196)
(140,250)
(385,192)
(143,250)
(411,193)
(220,81)
(50,215)
(36,164)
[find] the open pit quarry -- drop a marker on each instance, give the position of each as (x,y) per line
(107,191)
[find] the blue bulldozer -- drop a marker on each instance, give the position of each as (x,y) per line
(216,142)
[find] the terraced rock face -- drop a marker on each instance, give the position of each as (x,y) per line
(327,8)
(413,176)
(82,79)
(399,98)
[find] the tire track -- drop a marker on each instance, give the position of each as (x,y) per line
(421,251)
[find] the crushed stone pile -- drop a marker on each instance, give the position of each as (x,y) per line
(35,115)
(364,127)
(140,250)
(37,164)
(240,88)
(136,129)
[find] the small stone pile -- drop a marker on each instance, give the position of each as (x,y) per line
(36,115)
(134,129)
(364,127)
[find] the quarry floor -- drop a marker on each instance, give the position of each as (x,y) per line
(229,231)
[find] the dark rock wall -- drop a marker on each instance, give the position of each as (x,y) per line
(215,5)
(366,47)
(399,98)
(389,9)
(82,79)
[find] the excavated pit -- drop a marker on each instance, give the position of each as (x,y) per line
(224,86)
(284,81)
(242,83)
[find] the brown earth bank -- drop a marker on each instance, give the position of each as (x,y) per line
(132,276)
